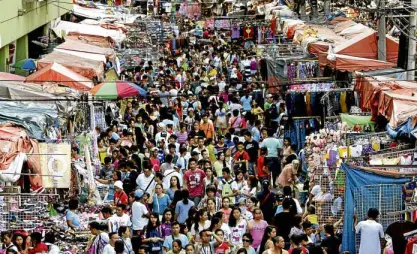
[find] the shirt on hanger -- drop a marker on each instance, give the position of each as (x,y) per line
(355,150)
(248,32)
(235,32)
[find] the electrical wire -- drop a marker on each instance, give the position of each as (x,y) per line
(402,29)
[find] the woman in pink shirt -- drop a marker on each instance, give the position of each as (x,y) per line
(257,227)
(226,209)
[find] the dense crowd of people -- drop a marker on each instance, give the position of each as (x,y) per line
(200,165)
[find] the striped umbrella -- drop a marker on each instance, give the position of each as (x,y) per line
(112,90)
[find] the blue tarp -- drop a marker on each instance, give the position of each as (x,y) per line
(356,178)
(405,130)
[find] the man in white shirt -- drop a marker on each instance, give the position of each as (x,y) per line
(119,219)
(140,213)
(371,233)
(145,181)
(109,248)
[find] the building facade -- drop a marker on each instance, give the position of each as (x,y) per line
(19,18)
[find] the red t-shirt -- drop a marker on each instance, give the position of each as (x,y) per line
(40,248)
(260,165)
(156,164)
(242,156)
(305,251)
(120,198)
(195,182)
(117,2)
(222,248)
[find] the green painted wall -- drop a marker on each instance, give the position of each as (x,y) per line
(4,54)
(22,48)
(37,14)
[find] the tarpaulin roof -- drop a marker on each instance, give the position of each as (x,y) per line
(84,47)
(10,77)
(393,99)
(398,105)
(365,45)
(56,73)
(104,42)
(85,67)
(85,55)
(63,28)
(15,90)
(370,87)
(351,63)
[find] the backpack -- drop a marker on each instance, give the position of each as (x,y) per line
(227,190)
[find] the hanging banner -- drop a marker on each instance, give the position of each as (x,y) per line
(56,165)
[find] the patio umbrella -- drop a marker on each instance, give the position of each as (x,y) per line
(26,64)
(117,89)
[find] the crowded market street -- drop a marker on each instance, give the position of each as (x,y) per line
(208,127)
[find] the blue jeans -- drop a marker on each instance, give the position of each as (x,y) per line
(251,168)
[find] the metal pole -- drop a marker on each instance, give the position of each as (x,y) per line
(412,44)
(382,46)
(326,8)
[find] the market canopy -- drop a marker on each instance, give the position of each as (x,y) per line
(10,77)
(370,88)
(397,106)
(365,45)
(88,68)
(104,42)
(86,48)
(351,63)
(56,73)
(63,28)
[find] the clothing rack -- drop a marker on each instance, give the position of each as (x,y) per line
(394,154)
(367,136)
(316,79)
(402,212)
(304,117)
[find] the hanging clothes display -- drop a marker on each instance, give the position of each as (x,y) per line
(297,130)
(303,70)
(248,32)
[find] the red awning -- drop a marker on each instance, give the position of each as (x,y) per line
(56,73)
(365,45)
(351,63)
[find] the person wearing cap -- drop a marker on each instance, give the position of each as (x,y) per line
(140,213)
(268,102)
(162,134)
(120,197)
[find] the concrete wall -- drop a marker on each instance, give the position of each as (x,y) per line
(15,28)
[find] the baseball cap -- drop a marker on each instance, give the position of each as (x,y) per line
(269,96)
(118,184)
(139,193)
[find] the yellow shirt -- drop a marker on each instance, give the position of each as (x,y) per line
(313,219)
(213,73)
